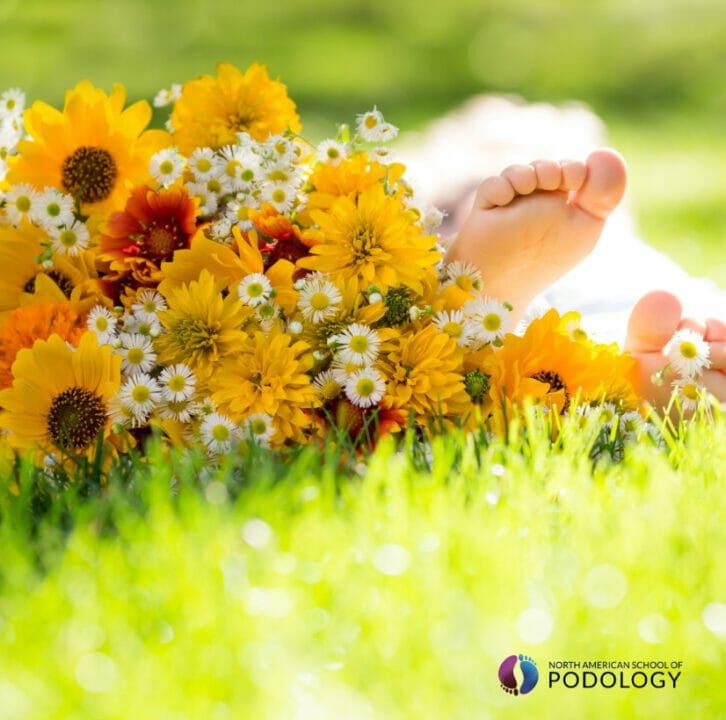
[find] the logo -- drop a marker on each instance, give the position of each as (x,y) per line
(527,669)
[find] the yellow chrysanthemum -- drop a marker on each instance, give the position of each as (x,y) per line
(24,281)
(424,372)
(549,367)
(372,241)
(212,110)
(201,325)
(91,150)
(59,397)
(269,376)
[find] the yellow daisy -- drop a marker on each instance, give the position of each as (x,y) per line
(269,376)
(212,110)
(372,241)
(91,150)
(201,325)
(59,397)
(424,372)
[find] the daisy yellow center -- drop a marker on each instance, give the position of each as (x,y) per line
(231,168)
(141,394)
(135,355)
(258,426)
(177,383)
(492,322)
(333,153)
(370,122)
(464,282)
(89,173)
(101,323)
(150,306)
(53,209)
(23,203)
(248,175)
(75,418)
(68,238)
(358,343)
(279,195)
(690,391)
(330,390)
(266,311)
(255,290)
(166,167)
(220,433)
(365,387)
(319,301)
(214,185)
(453,329)
(689,350)
(203,165)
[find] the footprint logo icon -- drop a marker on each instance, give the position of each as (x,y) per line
(528,670)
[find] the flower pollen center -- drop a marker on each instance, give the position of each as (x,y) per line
(89,174)
(75,418)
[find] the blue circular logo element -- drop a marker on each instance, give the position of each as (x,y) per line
(527,669)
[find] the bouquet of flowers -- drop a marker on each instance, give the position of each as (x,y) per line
(226,281)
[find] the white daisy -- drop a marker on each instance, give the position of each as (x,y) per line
(453,323)
(121,414)
(137,353)
(487,320)
(281,195)
(266,313)
(103,322)
(431,218)
(278,148)
(218,433)
(208,201)
(204,164)
(319,300)
(259,427)
(178,410)
(141,394)
(254,289)
(688,353)
(20,202)
(383,155)
(167,166)
(689,392)
(342,369)
(238,211)
(53,209)
(12,103)
(373,128)
(327,385)
(148,302)
(143,324)
(220,230)
(358,343)
(177,382)
(464,275)
(631,425)
(606,414)
(365,387)
(167,96)
(332,151)
(69,240)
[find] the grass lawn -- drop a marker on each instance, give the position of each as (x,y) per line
(393,589)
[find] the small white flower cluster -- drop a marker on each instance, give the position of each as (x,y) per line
(256,291)
(688,356)
(12,104)
(235,179)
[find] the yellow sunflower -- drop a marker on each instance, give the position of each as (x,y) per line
(59,397)
(24,281)
(212,110)
(201,325)
(547,366)
(425,374)
(91,150)
(372,241)
(269,375)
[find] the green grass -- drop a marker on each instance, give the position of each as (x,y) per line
(298,588)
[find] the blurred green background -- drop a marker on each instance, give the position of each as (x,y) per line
(654,71)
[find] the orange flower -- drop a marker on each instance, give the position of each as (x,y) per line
(153,225)
(27,324)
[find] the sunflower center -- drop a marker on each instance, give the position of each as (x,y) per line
(239,121)
(64,283)
(75,418)
(89,174)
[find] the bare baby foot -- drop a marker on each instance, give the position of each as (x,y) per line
(533,223)
(653,321)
